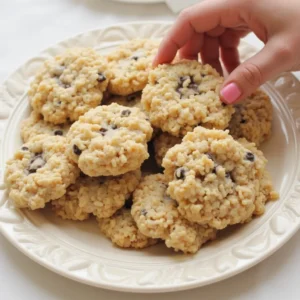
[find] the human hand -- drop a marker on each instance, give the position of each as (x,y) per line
(214,28)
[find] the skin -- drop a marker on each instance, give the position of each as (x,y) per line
(214,28)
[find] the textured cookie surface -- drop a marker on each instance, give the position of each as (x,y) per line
(35,125)
(103,196)
(162,143)
(69,85)
(39,172)
(266,189)
(215,179)
(130,64)
(184,95)
(109,140)
(123,232)
(67,207)
(157,216)
(253,118)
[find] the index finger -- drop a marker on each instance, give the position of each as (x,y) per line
(199,18)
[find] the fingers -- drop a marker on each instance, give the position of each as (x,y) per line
(192,48)
(229,42)
(247,77)
(200,18)
(210,53)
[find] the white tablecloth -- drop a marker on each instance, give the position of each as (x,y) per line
(27,27)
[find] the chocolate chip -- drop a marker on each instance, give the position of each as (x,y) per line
(24,148)
(210,156)
(66,85)
(184,78)
(113,126)
(36,163)
(128,203)
(180,173)
(58,132)
(76,150)
(193,86)
(101,77)
(135,57)
(243,121)
(125,113)
(144,212)
(250,156)
(228,175)
(103,131)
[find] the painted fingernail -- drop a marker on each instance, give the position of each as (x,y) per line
(154,62)
(230,93)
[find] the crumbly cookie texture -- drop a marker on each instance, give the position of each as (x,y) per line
(266,189)
(103,196)
(35,125)
(69,85)
(215,179)
(130,64)
(109,140)
(184,95)
(252,118)
(162,143)
(67,207)
(157,216)
(39,172)
(123,232)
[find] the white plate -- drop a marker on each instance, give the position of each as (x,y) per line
(78,251)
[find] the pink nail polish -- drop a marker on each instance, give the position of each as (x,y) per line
(230,93)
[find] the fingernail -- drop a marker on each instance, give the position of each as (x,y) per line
(154,62)
(230,93)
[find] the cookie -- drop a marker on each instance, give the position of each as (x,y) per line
(103,196)
(184,95)
(130,64)
(35,125)
(252,118)
(123,232)
(215,179)
(109,140)
(69,84)
(133,100)
(39,172)
(67,207)
(266,190)
(157,216)
(162,143)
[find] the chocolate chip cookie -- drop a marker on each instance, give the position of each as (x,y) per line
(184,95)
(216,180)
(69,84)
(39,172)
(109,140)
(157,216)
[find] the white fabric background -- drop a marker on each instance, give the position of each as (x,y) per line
(27,27)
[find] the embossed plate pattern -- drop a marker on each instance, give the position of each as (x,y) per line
(78,251)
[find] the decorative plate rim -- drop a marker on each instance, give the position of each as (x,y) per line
(238,259)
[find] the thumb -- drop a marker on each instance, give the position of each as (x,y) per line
(251,74)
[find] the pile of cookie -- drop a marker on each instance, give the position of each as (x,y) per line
(153,154)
